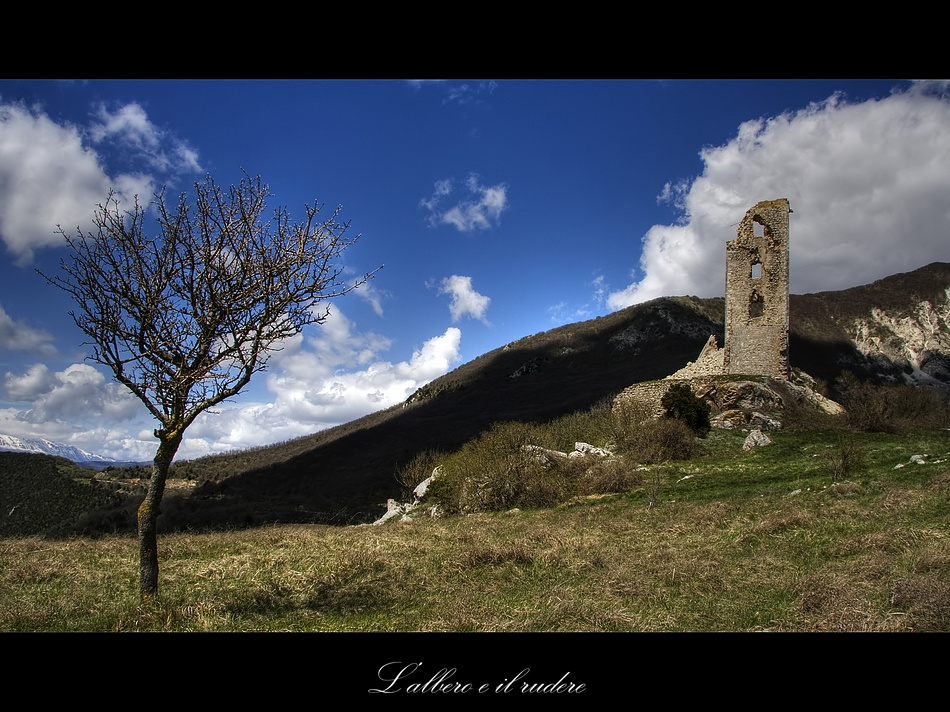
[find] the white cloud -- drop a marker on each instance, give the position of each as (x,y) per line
(78,391)
(373,296)
(465,300)
(114,442)
(480,207)
(332,375)
(563,313)
(466,93)
(17,336)
(868,184)
(77,406)
(455,92)
(130,129)
(51,174)
(321,381)
(47,177)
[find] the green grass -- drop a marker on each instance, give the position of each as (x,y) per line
(737,542)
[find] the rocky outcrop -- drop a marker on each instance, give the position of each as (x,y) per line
(735,402)
(918,342)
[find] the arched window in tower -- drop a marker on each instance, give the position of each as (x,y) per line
(756,271)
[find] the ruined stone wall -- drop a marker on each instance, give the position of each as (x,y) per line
(643,400)
(709,363)
(757,293)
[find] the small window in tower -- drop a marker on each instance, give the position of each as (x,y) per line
(756,270)
(758,229)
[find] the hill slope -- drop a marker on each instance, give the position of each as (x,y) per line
(345,474)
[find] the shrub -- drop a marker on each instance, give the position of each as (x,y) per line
(681,403)
(593,425)
(609,476)
(418,469)
(628,419)
(663,440)
(494,473)
(891,408)
(844,458)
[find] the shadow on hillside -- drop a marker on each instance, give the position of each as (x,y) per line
(345,475)
(348,479)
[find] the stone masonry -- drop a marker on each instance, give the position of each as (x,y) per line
(756,312)
(757,293)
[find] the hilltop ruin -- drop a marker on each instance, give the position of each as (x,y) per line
(756,326)
(756,300)
(757,293)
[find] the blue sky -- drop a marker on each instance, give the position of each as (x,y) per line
(499,208)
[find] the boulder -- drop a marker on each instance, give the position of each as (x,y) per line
(756,439)
(763,422)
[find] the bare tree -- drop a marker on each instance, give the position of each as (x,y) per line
(185,318)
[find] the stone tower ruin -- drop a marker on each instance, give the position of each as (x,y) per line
(757,293)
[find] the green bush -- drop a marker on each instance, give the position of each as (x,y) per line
(497,470)
(592,426)
(494,472)
(681,403)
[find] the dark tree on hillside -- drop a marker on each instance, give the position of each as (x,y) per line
(681,403)
(184,318)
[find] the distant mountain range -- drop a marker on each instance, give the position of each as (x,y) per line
(11,443)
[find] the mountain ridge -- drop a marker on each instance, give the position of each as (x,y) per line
(13,443)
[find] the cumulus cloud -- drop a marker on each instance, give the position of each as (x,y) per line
(465,300)
(77,406)
(106,441)
(129,128)
(320,381)
(47,177)
(17,336)
(78,391)
(331,375)
(479,208)
(868,183)
(55,174)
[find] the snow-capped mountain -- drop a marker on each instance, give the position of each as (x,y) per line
(11,443)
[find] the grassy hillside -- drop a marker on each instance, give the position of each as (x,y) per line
(736,541)
(41,493)
(345,475)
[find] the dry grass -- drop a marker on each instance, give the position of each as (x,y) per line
(726,550)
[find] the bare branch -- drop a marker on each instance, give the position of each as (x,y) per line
(185,318)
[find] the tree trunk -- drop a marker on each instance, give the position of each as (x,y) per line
(148,514)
